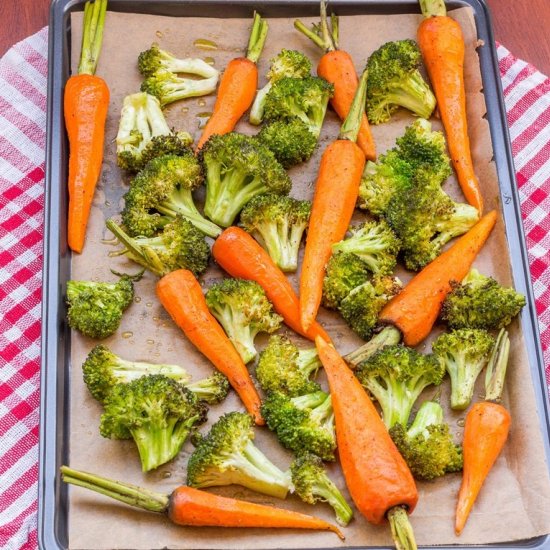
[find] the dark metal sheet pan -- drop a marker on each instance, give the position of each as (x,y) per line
(54,417)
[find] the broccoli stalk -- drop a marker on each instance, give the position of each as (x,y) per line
(227,456)
(496,367)
(388,336)
(179,246)
(162,191)
(284,368)
(243,310)
(156,59)
(427,446)
(312,484)
(156,412)
(394,81)
(238,168)
(287,63)
(463,353)
(280,222)
(396,376)
(213,389)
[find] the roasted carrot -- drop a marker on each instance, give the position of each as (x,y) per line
(336,66)
(379,481)
(241,256)
(442,45)
(181,295)
(336,192)
(485,432)
(414,310)
(193,507)
(86,101)
(237,87)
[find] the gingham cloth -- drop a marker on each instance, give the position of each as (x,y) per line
(22,138)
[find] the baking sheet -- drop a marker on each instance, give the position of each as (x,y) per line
(515,502)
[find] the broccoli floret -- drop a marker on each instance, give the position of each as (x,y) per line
(162,191)
(289,140)
(238,168)
(95,308)
(463,353)
(243,310)
(305,98)
(180,245)
(288,63)
(395,376)
(302,423)
(227,456)
(284,368)
(213,389)
(394,81)
(427,446)
(280,222)
(156,412)
(312,485)
(389,176)
(375,243)
(360,308)
(103,369)
(480,302)
(143,133)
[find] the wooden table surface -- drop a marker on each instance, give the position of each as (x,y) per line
(520,25)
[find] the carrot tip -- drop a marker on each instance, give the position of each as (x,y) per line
(338,532)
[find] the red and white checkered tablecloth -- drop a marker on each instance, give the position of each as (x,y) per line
(23,72)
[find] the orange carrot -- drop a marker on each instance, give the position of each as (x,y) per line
(241,256)
(336,66)
(86,101)
(181,295)
(379,481)
(336,192)
(193,507)
(237,87)
(442,45)
(414,310)
(485,433)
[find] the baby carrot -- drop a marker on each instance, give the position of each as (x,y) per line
(85,105)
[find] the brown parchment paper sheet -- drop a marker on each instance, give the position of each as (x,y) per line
(515,501)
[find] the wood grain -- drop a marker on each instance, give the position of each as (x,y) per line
(520,25)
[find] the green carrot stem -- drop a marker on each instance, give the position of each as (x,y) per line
(401,529)
(352,123)
(92,35)
(258,35)
(431,8)
(325,35)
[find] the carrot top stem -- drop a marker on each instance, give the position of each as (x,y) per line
(92,35)
(257,38)
(324,34)
(132,495)
(401,529)
(352,123)
(496,368)
(388,336)
(431,8)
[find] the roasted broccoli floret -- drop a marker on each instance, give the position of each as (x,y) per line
(279,222)
(395,376)
(480,302)
(213,389)
(238,168)
(463,353)
(227,456)
(243,310)
(95,308)
(312,485)
(427,446)
(180,245)
(162,191)
(302,423)
(305,98)
(143,133)
(394,81)
(156,412)
(284,368)
(287,63)
(375,243)
(289,140)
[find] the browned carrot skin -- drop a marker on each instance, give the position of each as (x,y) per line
(181,295)
(442,44)
(415,309)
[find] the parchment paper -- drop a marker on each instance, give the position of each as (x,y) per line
(515,501)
